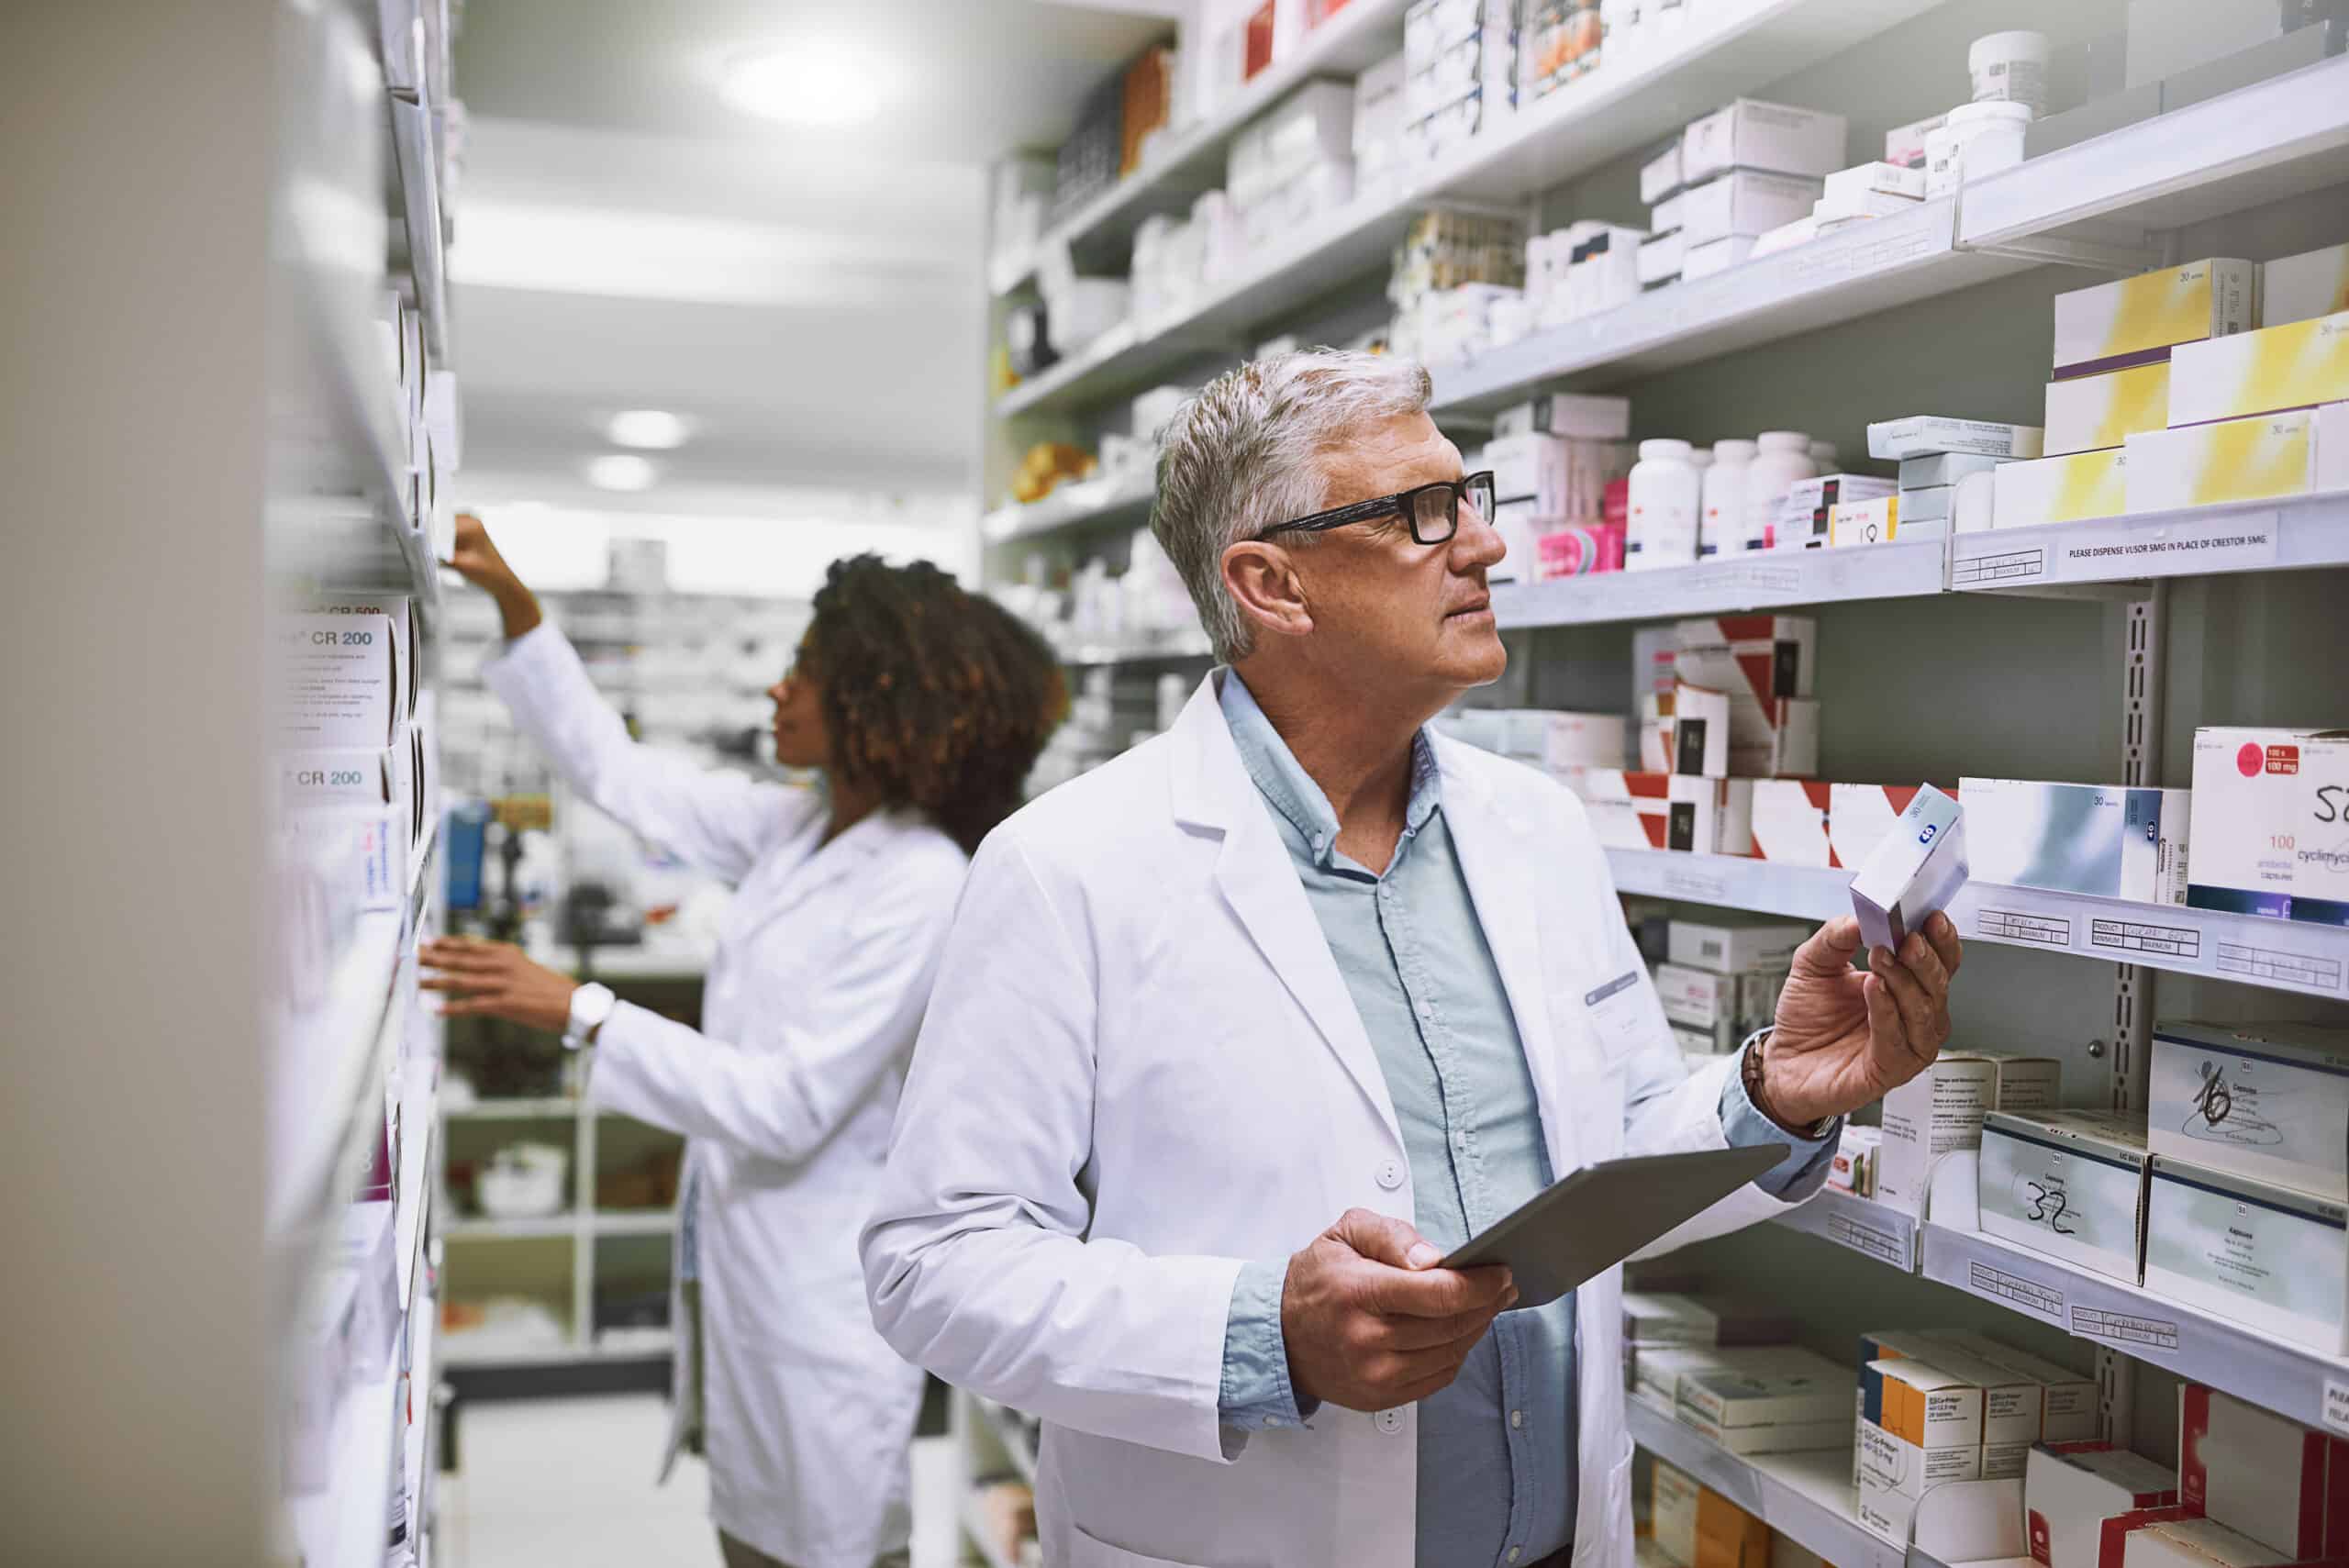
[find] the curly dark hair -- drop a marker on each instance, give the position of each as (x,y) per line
(933,697)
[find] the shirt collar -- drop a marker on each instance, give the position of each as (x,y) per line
(1290,789)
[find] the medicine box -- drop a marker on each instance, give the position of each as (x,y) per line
(2332,447)
(1733,944)
(1790,818)
(2268,813)
(1582,741)
(1755,657)
(1784,1437)
(1700,730)
(1859,815)
(1660,175)
(2138,319)
(1627,810)
(1810,1388)
(1580,416)
(1914,870)
(2248,1251)
(2093,413)
(2070,1409)
(2267,1101)
(1700,1001)
(1905,145)
(1880,179)
(1790,745)
(1935,504)
(1876,521)
(2070,1489)
(2303,287)
(1673,1318)
(1941,1110)
(2188,1543)
(1710,817)
(1925,435)
(1743,203)
(346,675)
(1661,258)
(2010,1401)
(1941,470)
(1757,999)
(2104,841)
(2257,458)
(1845,205)
(1696,1526)
(1751,134)
(1851,1169)
(2298,365)
(2251,1471)
(2067,1184)
(1716,256)
(1663,218)
(2061,489)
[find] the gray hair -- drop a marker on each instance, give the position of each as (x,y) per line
(1245,454)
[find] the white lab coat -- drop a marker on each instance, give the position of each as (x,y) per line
(1141,1067)
(784,1097)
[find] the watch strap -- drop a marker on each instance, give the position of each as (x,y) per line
(1750,1071)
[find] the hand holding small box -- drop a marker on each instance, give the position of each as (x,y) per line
(1843,1038)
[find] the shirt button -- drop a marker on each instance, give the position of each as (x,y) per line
(1389,1422)
(1515,1552)
(1390,1174)
(1272,1420)
(1517,1419)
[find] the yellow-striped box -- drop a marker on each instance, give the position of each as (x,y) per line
(2060,489)
(2296,365)
(2095,413)
(2235,460)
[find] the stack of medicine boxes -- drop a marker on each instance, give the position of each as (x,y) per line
(1460,71)
(1746,169)
(1722,976)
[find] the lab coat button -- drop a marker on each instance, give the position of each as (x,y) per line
(1389,1421)
(1515,1552)
(1390,1174)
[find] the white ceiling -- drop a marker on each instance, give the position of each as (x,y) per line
(810,299)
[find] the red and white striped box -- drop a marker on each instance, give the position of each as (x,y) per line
(2251,1470)
(1627,810)
(1790,822)
(1710,817)
(1858,816)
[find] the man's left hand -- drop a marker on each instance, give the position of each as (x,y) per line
(495,980)
(1843,1038)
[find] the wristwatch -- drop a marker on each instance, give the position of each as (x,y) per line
(590,1005)
(1752,1070)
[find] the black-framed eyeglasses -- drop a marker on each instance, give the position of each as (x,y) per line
(1433,510)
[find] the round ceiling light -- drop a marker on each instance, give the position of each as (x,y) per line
(648,430)
(622,471)
(805,83)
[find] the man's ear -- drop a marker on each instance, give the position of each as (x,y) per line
(1262,580)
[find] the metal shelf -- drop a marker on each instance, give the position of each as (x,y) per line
(1806,1496)
(1072,504)
(2292,1380)
(1870,1228)
(545,1106)
(634,1223)
(2246,950)
(1365,32)
(2302,532)
(563,1226)
(456,1355)
(1885,264)
(1750,580)
(2276,138)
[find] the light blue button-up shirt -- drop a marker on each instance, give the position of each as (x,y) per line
(1496,1471)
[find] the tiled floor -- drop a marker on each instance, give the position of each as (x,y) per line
(568,1483)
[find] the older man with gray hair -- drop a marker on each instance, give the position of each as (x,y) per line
(1236,1037)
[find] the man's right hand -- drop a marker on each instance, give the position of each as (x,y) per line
(1369,1321)
(475,559)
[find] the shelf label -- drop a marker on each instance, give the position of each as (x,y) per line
(2125,1328)
(2016,926)
(2016,1291)
(1996,568)
(2139,936)
(1878,1241)
(2336,1406)
(2237,542)
(1694,885)
(2304,970)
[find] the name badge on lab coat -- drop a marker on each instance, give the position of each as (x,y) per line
(1616,1014)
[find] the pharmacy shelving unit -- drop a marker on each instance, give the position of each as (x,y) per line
(348,514)
(575,1123)
(2162,621)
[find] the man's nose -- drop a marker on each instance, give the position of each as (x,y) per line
(1477,544)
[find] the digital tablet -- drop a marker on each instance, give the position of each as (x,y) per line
(1600,1214)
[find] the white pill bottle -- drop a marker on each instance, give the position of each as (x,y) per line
(1720,526)
(1780,458)
(1666,496)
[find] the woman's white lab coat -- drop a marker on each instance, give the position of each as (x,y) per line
(785,1097)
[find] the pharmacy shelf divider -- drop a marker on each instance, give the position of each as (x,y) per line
(1751,580)
(1870,1228)
(420,201)
(1875,266)
(1806,1496)
(2246,950)
(2294,1382)
(2299,531)
(2281,138)
(1072,504)
(1629,102)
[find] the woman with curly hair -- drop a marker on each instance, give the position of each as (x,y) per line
(923,708)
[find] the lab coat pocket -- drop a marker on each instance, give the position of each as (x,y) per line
(1085,1551)
(1623,1013)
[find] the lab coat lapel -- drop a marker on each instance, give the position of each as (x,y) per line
(822,867)
(1492,847)
(1212,790)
